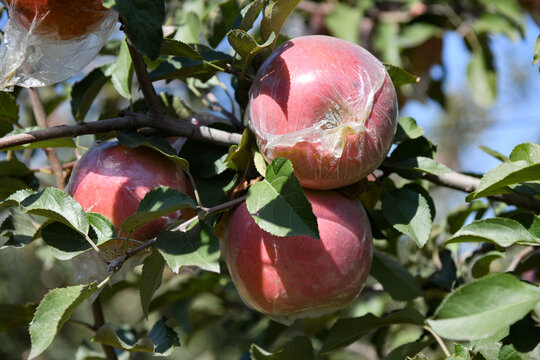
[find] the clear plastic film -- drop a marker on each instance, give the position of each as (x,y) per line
(48,42)
(327,105)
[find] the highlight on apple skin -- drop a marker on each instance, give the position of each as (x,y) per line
(327,105)
(111,179)
(58,19)
(291,277)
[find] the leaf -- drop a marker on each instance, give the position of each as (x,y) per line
(509,352)
(299,348)
(251,14)
(278,203)
(107,336)
(101,228)
(164,337)
(408,212)
(53,312)
(220,21)
(344,21)
(419,164)
(536,52)
(13,316)
(275,14)
(399,76)
(9,112)
(529,152)
(417,33)
(121,72)
(198,246)
(18,228)
(347,330)
(65,241)
(245,45)
(482,79)
(239,156)
(61,142)
(210,159)
(410,349)
(407,129)
(177,48)
(157,203)
(51,203)
(84,92)
(497,155)
(152,273)
(482,307)
(507,173)
(501,231)
(395,279)
(481,266)
(143,20)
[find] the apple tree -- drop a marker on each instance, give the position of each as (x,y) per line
(231,179)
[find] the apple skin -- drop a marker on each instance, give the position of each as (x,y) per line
(327,105)
(111,179)
(59,19)
(291,277)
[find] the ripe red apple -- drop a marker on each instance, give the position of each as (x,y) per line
(111,179)
(290,277)
(58,19)
(327,105)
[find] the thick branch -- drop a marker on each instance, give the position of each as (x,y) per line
(41,119)
(169,125)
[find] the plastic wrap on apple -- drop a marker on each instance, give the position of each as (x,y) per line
(45,43)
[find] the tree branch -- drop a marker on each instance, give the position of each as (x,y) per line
(41,119)
(99,321)
(131,121)
(148,90)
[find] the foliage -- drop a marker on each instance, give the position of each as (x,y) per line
(459,284)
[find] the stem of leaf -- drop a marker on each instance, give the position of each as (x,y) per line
(438,339)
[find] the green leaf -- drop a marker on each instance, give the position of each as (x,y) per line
(481,266)
(274,16)
(278,203)
(9,112)
(164,338)
(417,33)
(419,164)
(507,173)
(410,349)
(251,14)
(53,312)
(408,211)
(53,143)
(101,228)
(509,8)
(400,76)
(299,348)
(509,352)
(65,241)
(107,336)
(13,316)
(347,330)
(344,21)
(152,272)
(536,51)
(529,152)
(220,21)
(239,157)
(157,203)
(177,48)
(198,246)
(395,279)
(482,79)
(245,45)
(121,72)
(18,228)
(143,20)
(407,129)
(457,217)
(497,155)
(51,203)
(84,92)
(500,231)
(209,159)
(480,308)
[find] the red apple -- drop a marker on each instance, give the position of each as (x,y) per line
(111,179)
(326,104)
(290,277)
(58,19)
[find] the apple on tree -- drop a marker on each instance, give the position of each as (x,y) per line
(111,179)
(59,19)
(327,105)
(290,277)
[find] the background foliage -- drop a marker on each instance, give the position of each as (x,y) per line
(453,277)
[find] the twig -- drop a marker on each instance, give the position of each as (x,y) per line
(517,259)
(439,340)
(169,126)
(149,92)
(41,119)
(99,321)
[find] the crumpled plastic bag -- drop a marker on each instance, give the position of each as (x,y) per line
(40,50)
(327,105)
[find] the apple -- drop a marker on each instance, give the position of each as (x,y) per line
(111,180)
(327,105)
(58,19)
(291,277)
